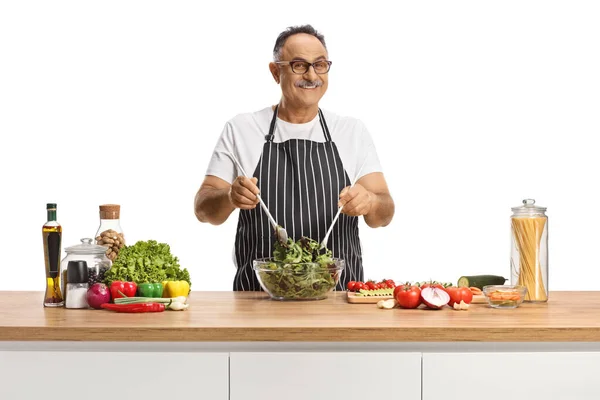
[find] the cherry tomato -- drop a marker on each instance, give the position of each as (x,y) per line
(351,286)
(370,285)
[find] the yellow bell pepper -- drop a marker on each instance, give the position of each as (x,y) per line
(176,288)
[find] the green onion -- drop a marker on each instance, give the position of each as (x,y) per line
(136,300)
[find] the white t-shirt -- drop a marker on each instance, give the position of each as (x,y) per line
(244,135)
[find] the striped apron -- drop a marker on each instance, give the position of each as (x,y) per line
(299,181)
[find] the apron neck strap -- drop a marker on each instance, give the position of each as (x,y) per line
(269,137)
(324,126)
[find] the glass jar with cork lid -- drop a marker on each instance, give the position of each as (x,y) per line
(110,234)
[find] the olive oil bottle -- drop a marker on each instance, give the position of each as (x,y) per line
(52,235)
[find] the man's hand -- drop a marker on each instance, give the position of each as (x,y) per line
(370,198)
(243,193)
(356,200)
(217,199)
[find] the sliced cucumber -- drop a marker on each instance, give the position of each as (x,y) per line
(376,292)
(479,281)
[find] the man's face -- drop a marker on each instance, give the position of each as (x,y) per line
(301,90)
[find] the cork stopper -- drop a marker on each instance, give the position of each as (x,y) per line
(110,211)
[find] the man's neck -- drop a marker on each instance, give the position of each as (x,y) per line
(296,115)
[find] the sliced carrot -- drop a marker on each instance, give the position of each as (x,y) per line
(475,290)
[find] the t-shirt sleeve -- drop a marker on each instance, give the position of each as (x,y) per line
(367,157)
(221,165)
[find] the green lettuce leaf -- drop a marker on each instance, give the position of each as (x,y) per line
(146,261)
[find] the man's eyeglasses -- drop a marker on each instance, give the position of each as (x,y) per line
(301,67)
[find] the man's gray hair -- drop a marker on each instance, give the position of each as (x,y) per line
(293,30)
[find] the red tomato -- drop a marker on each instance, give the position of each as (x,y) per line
(400,287)
(408,296)
(358,286)
(397,289)
(351,286)
(459,293)
(370,285)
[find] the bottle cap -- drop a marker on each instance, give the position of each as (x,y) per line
(77,271)
(110,211)
(51,206)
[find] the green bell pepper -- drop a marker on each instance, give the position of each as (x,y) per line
(150,290)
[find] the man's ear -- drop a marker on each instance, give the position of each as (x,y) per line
(274,71)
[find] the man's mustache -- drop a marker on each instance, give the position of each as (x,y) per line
(302,83)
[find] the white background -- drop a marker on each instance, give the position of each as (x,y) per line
(473,106)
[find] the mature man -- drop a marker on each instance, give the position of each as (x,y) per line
(303,161)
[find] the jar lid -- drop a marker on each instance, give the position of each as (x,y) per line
(110,211)
(86,247)
(528,207)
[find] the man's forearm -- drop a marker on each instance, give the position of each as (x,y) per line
(213,206)
(381,212)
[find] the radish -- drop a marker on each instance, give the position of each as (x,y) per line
(434,298)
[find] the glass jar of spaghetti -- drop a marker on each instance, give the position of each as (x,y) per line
(529,250)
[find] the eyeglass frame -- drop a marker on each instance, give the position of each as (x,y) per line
(328,62)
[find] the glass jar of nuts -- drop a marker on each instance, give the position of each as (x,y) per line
(110,234)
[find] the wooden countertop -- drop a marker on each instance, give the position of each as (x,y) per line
(252,316)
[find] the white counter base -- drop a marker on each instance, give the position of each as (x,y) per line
(299,371)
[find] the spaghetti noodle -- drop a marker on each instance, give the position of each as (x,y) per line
(527,233)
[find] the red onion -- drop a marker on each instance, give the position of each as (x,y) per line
(435,298)
(97,295)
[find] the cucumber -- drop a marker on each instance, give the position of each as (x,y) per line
(479,281)
(376,292)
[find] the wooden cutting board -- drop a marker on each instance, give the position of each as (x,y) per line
(354,299)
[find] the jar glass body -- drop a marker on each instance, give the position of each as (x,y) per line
(529,254)
(94,256)
(108,224)
(111,236)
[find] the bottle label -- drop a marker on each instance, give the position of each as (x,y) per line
(53,253)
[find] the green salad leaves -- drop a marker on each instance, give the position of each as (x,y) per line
(303,270)
(304,250)
(148,261)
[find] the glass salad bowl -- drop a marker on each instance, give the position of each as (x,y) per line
(505,296)
(297,281)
